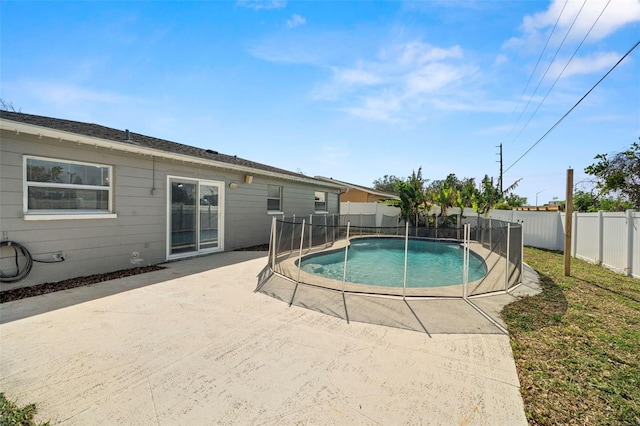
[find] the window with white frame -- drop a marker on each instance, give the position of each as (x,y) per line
(274,198)
(57,186)
(321,202)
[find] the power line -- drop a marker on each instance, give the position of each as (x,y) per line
(564,69)
(548,67)
(539,59)
(574,106)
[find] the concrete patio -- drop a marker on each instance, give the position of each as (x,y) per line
(194,344)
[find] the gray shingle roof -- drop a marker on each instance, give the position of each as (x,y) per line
(136,139)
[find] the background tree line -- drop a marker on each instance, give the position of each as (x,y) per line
(616,178)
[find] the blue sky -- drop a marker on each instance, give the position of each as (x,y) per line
(353,90)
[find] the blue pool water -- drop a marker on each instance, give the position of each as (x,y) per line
(380,261)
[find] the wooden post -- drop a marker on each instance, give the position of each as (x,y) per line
(568,223)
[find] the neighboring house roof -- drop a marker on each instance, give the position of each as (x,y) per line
(384,195)
(129,141)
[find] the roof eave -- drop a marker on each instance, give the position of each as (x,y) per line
(348,185)
(41,131)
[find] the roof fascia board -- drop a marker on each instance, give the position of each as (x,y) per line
(124,147)
(361,188)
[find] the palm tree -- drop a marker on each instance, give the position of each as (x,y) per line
(412,197)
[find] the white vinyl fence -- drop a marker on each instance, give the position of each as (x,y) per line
(610,239)
(369,209)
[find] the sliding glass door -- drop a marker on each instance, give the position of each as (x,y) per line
(209,217)
(195,216)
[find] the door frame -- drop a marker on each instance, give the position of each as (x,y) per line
(221,209)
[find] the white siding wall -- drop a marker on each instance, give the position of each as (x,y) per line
(95,246)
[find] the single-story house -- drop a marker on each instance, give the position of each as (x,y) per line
(105,199)
(359,194)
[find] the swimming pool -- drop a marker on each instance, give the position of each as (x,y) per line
(379,261)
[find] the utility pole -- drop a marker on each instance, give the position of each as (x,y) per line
(500,161)
(568,223)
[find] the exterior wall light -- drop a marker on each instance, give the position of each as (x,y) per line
(248,179)
(233,185)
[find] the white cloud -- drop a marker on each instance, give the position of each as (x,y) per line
(500,59)
(355,76)
(585,65)
(262,4)
(513,43)
(617,14)
(416,53)
(288,51)
(434,77)
(399,82)
(296,20)
(381,107)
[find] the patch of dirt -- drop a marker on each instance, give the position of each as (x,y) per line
(39,289)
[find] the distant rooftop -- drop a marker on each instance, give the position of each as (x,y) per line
(372,191)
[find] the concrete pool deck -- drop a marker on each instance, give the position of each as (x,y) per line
(194,344)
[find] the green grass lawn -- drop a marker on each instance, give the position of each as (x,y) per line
(12,414)
(577,344)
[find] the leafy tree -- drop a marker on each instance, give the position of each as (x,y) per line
(466,186)
(511,201)
(619,173)
(445,194)
(488,195)
(453,191)
(388,183)
(412,198)
(588,202)
(610,204)
(584,201)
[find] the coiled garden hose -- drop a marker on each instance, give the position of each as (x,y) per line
(21,270)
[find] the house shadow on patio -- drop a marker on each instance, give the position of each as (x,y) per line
(26,307)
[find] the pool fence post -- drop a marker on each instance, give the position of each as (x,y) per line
(310,230)
(279,239)
(336,229)
(466,286)
(326,237)
(435,222)
(344,274)
(299,262)
(468,254)
(490,235)
(465,274)
(346,248)
(521,252)
(293,232)
(506,278)
(272,248)
(406,251)
(464,264)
